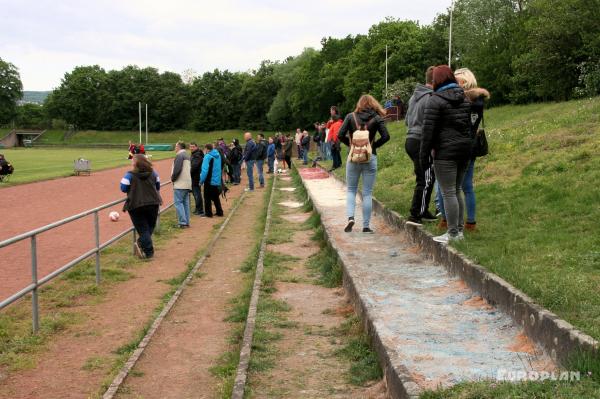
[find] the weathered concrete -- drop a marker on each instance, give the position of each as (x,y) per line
(428,327)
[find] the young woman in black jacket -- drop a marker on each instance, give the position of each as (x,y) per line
(447,142)
(370,113)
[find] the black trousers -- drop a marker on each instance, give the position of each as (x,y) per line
(198,201)
(336,155)
(144,221)
(211,195)
(425,179)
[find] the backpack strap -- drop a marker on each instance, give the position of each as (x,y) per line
(355,121)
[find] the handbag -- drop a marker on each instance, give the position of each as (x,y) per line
(480,147)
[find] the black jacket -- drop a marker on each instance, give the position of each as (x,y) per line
(142,191)
(376,124)
(262,149)
(447,126)
(195,166)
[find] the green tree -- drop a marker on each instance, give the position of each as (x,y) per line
(11,90)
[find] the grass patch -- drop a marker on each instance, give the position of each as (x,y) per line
(325,263)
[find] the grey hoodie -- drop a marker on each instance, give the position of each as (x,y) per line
(415,113)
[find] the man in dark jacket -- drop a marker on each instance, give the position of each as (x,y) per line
(211,176)
(447,132)
(237,157)
(250,155)
(425,178)
(261,157)
(195,166)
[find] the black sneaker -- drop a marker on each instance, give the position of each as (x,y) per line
(428,217)
(349,225)
(414,221)
(367,230)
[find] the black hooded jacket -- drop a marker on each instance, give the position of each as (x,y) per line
(447,126)
(195,165)
(377,124)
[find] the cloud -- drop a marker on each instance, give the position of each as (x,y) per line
(46,38)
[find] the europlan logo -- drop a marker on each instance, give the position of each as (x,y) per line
(525,375)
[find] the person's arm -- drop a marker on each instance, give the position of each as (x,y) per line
(204,171)
(195,164)
(431,117)
(345,130)
(126,182)
(384,135)
(157,180)
(177,167)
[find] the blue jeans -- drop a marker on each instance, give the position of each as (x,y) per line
(271,163)
(237,172)
(467,188)
(259,166)
(181,200)
(250,173)
(305,156)
(368,171)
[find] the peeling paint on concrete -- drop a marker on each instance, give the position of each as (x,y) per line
(429,322)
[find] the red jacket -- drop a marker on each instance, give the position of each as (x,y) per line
(334,128)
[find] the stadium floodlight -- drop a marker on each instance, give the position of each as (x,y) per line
(146,124)
(140,119)
(386,71)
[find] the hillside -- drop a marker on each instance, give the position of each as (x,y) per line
(37,97)
(537,203)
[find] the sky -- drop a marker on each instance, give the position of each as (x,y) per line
(45,39)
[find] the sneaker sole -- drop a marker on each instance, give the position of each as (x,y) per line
(414,223)
(349,226)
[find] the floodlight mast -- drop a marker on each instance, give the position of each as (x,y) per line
(140,119)
(450,36)
(146,124)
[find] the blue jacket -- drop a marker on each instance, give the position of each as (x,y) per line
(215,179)
(271,150)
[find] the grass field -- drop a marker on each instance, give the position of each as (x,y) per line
(56,137)
(33,164)
(537,209)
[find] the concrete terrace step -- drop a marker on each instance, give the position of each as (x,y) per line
(432,329)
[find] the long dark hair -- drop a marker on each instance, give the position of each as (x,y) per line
(141,163)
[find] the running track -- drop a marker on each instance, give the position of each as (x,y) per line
(29,206)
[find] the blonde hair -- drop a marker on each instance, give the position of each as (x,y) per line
(465,74)
(367,101)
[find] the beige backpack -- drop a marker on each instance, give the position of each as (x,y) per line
(360,145)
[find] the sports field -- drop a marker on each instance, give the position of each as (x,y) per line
(33,164)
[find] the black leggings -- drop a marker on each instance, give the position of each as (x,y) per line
(211,195)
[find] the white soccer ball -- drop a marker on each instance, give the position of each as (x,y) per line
(113,216)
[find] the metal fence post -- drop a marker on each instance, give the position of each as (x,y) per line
(134,242)
(34,293)
(97,235)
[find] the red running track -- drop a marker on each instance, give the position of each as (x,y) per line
(30,206)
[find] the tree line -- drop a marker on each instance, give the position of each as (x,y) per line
(520,50)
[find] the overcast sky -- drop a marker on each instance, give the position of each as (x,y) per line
(45,39)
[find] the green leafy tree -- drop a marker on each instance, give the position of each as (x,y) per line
(11,90)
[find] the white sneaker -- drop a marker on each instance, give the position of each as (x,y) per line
(445,238)
(248,190)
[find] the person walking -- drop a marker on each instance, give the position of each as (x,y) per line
(447,132)
(250,155)
(271,155)
(477,96)
(298,141)
(237,156)
(182,184)
(196,159)
(368,115)
(261,157)
(211,177)
(425,178)
(142,186)
(288,148)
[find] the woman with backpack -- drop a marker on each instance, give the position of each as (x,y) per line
(359,131)
(142,186)
(447,139)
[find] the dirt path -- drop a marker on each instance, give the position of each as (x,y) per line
(78,360)
(29,206)
(306,365)
(176,363)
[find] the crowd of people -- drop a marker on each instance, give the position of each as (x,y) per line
(443,118)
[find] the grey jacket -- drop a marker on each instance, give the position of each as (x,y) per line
(180,175)
(415,113)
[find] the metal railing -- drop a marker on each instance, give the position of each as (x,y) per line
(32,235)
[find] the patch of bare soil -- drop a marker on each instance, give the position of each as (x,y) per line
(78,360)
(306,364)
(192,337)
